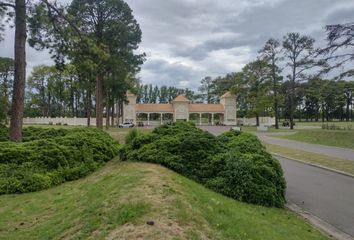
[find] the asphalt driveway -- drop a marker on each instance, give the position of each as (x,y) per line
(327,195)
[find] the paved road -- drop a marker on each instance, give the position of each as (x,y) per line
(327,195)
(315,148)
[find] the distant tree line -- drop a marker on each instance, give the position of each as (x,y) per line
(147,93)
(286,79)
(99,39)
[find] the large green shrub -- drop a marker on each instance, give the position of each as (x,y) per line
(35,133)
(181,147)
(234,164)
(253,178)
(4,132)
(51,156)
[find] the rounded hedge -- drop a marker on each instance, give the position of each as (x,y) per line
(235,164)
(49,157)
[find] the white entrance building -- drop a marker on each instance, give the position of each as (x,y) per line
(181,109)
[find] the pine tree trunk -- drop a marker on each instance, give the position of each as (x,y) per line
(99,101)
(276,114)
(20,72)
(292,100)
(6,97)
(112,114)
(347,110)
(117,112)
(72,101)
(88,107)
(107,111)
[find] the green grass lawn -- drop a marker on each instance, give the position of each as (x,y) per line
(117,201)
(120,134)
(314,158)
(337,123)
(336,138)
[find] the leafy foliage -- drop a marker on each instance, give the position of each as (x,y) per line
(132,134)
(48,157)
(234,164)
(4,132)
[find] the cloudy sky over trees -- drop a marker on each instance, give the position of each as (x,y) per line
(185,40)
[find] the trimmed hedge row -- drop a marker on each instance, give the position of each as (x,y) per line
(48,157)
(234,164)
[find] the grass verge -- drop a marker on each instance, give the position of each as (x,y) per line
(120,134)
(336,138)
(117,201)
(314,158)
(343,124)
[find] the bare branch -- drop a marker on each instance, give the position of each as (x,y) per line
(3,4)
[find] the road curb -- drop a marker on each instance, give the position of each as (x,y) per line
(314,165)
(320,224)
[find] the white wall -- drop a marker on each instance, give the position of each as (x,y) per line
(63,120)
(181,110)
(266,121)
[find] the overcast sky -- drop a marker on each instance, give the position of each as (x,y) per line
(186,40)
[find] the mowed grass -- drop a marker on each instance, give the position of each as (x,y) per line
(117,201)
(336,138)
(314,158)
(342,124)
(120,134)
(90,207)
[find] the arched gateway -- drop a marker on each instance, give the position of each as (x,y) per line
(181,109)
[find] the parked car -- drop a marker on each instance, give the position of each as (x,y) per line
(126,125)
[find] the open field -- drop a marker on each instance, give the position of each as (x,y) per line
(336,138)
(118,200)
(314,158)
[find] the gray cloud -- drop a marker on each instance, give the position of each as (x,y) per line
(341,14)
(186,40)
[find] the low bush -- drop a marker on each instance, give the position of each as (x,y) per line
(132,134)
(49,157)
(234,164)
(4,132)
(35,133)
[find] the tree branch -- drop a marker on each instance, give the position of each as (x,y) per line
(72,25)
(2,4)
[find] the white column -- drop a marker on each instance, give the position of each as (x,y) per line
(212,119)
(200,119)
(160,118)
(148,119)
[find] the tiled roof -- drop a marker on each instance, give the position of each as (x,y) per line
(206,107)
(154,108)
(227,94)
(181,98)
